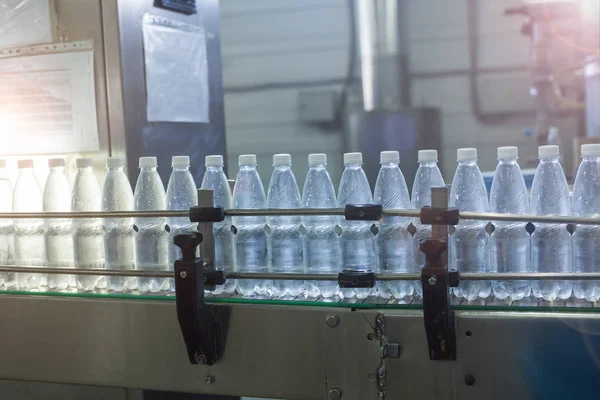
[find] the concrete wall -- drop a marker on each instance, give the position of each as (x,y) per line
(280,43)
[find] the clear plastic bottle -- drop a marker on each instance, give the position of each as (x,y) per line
(29,233)
(214,179)
(119,235)
(182,194)
(152,239)
(550,243)
(428,176)
(322,251)
(469,244)
(7,251)
(88,233)
(285,241)
(393,239)
(358,242)
(58,235)
(250,238)
(586,238)
(510,240)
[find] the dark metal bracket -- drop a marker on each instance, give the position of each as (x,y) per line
(354,279)
(203,326)
(437,280)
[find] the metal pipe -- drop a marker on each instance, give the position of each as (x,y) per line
(79,271)
(309,277)
(477,216)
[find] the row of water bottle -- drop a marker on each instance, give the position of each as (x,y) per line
(314,243)
(511,248)
(93,243)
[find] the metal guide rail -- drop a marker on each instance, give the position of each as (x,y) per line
(204,318)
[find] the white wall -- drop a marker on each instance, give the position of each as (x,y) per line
(284,41)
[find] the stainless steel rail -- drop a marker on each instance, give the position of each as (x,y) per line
(308,277)
(552,219)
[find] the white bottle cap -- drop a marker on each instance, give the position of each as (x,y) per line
(56,162)
(247,159)
(213,161)
(180,161)
(317,158)
(508,152)
(25,163)
(548,151)
(282,159)
(353,158)
(590,150)
(148,162)
(2,163)
(427,155)
(84,162)
(114,162)
(389,157)
(466,154)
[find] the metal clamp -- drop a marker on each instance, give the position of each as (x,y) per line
(207,214)
(351,279)
(363,212)
(203,326)
(437,280)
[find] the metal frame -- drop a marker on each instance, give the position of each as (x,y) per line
(300,353)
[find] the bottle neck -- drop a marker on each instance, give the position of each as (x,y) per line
(590,159)
(147,169)
(390,165)
(25,171)
(247,167)
(428,164)
(84,170)
(282,167)
(549,160)
(214,168)
(353,165)
(317,166)
(181,168)
(115,169)
(512,160)
(469,163)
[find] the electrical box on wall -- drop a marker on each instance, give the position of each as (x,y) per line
(317,106)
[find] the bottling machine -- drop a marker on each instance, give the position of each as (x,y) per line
(193,341)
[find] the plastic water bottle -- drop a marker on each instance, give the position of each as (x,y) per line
(322,251)
(119,235)
(88,233)
(428,176)
(152,239)
(182,194)
(214,179)
(393,239)
(250,238)
(586,238)
(7,250)
(469,244)
(285,241)
(510,240)
(550,243)
(358,242)
(58,235)
(29,233)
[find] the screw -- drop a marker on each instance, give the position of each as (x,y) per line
(469,380)
(335,394)
(372,377)
(332,321)
(183,274)
(432,280)
(200,358)
(371,337)
(209,379)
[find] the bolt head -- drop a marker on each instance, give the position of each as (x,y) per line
(335,394)
(332,321)
(209,379)
(183,274)
(200,358)
(432,280)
